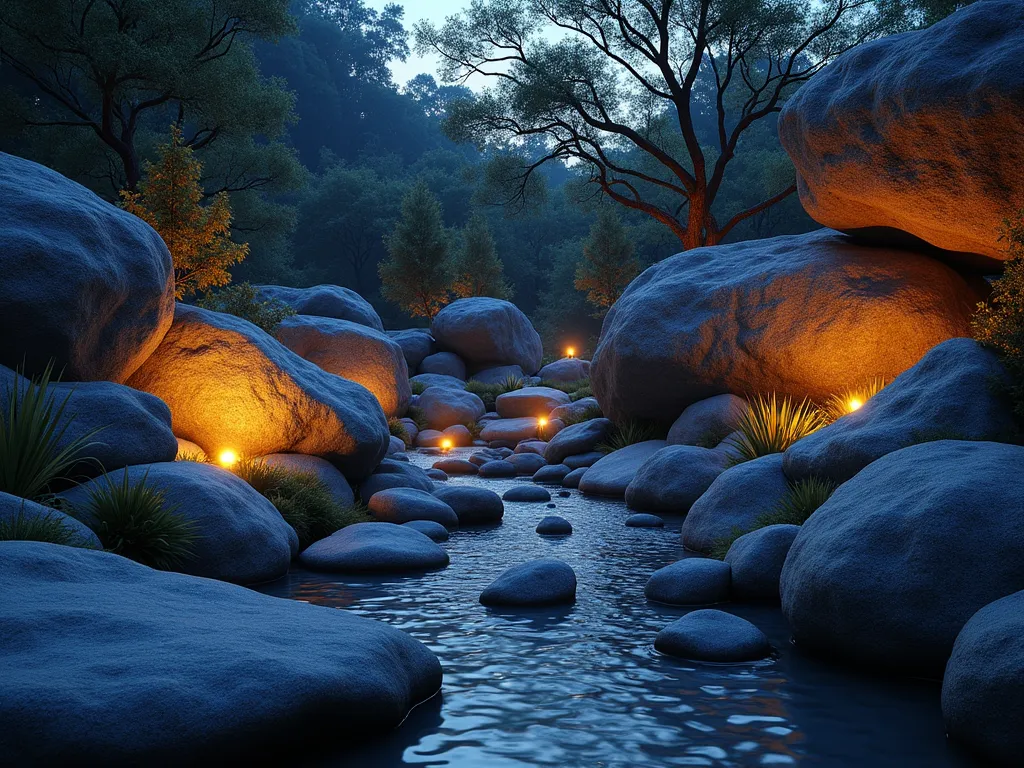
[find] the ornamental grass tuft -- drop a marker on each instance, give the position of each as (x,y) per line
(770,425)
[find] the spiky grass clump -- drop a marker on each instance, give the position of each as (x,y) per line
(34,453)
(397,429)
(802,500)
(197,457)
(486,392)
(417,387)
(510,384)
(849,400)
(135,520)
(771,425)
(418,416)
(586,414)
(629,432)
(47,528)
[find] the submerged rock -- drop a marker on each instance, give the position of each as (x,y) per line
(693,581)
(554,525)
(545,581)
(374,548)
(488,332)
(526,493)
(644,520)
(332,301)
(474,506)
(712,635)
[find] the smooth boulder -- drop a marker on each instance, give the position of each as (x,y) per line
(532,493)
(530,402)
(85,283)
(553,525)
(572,480)
(428,380)
(332,301)
(498,468)
(326,472)
(612,475)
(672,479)
(544,581)
(566,370)
(644,520)
(577,439)
(707,422)
(401,505)
(416,344)
(430,529)
(474,506)
(444,407)
(907,138)
(583,460)
(444,364)
(509,430)
(454,466)
(394,474)
(711,635)
(757,558)
(889,569)
(526,463)
(802,315)
(488,332)
(121,664)
(576,410)
(374,548)
(552,473)
(693,581)
(499,374)
(354,352)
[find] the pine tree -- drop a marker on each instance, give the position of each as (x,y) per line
(608,264)
(477,269)
(416,275)
(198,237)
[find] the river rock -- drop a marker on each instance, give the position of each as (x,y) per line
(734,501)
(455,466)
(536,447)
(394,474)
(333,301)
(711,635)
(526,463)
(240,536)
(566,370)
(231,385)
(953,392)
(707,422)
(553,525)
(485,455)
(757,559)
(672,479)
(583,460)
(887,571)
(983,688)
(498,468)
(444,407)
(553,473)
(499,374)
(576,410)
(577,439)
(374,548)
(544,581)
(802,315)
(612,474)
(872,161)
(430,529)
(488,332)
(429,380)
(327,473)
(509,430)
(151,648)
(400,505)
(474,506)
(444,364)
(693,581)
(437,474)
(572,480)
(644,520)
(526,493)
(534,402)
(354,352)
(13,508)
(84,282)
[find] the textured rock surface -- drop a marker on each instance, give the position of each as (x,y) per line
(803,315)
(241,676)
(444,364)
(912,133)
(488,332)
(954,391)
(693,581)
(576,408)
(711,635)
(444,407)
(509,430)
(532,402)
(891,567)
(707,422)
(577,439)
(545,581)
(13,508)
(327,301)
(611,475)
(401,505)
(394,474)
(231,385)
(240,536)
(354,352)
(474,506)
(757,559)
(416,344)
(323,469)
(566,370)
(672,479)
(84,282)
(374,548)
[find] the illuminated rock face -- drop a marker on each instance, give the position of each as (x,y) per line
(801,315)
(918,133)
(326,301)
(83,282)
(354,352)
(487,333)
(231,385)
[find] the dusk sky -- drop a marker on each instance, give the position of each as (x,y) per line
(415,10)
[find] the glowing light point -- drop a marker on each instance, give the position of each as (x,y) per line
(227,458)
(853,404)
(570,352)
(446,445)
(542,422)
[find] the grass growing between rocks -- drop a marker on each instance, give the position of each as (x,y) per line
(418,416)
(770,425)
(417,387)
(302,498)
(629,432)
(397,429)
(586,414)
(245,301)
(851,399)
(48,528)
(489,392)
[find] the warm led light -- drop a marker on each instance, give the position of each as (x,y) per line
(227,458)
(542,422)
(853,404)
(570,351)
(446,445)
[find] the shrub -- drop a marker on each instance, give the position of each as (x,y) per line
(397,428)
(849,400)
(583,391)
(135,521)
(244,301)
(417,387)
(770,425)
(627,433)
(48,528)
(33,451)
(588,413)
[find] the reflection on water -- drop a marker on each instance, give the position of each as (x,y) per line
(583,686)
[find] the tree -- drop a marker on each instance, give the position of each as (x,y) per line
(199,238)
(416,275)
(102,77)
(476,268)
(608,264)
(618,86)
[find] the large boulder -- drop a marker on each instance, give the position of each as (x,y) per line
(488,332)
(122,425)
(84,282)
(907,137)
(707,422)
(891,567)
(231,385)
(577,439)
(444,364)
(326,301)
(757,558)
(326,472)
(15,508)
(416,344)
(983,688)
(443,407)
(576,410)
(474,506)
(240,536)
(354,352)
(801,315)
(537,402)
(566,370)
(611,475)
(953,392)
(111,654)
(526,463)
(672,479)
(545,581)
(374,548)
(734,502)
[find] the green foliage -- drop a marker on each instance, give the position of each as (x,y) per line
(197,457)
(135,520)
(802,500)
(489,392)
(629,432)
(47,528)
(476,268)
(474,427)
(417,387)
(246,302)
(584,391)
(417,274)
(34,452)
(510,384)
(720,548)
(418,416)
(771,425)
(397,429)
(608,264)
(588,413)
(842,403)
(999,322)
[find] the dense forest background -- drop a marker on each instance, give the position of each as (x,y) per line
(319,155)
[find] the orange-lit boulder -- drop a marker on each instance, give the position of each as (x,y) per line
(82,282)
(918,133)
(802,315)
(354,352)
(231,385)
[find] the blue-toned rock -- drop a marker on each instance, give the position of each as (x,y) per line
(526,463)
(488,332)
(434,531)
(416,344)
(545,581)
(444,364)
(757,559)
(394,474)
(526,493)
(454,466)
(644,520)
(13,508)
(572,480)
(554,525)
(577,439)
(672,479)
(400,505)
(328,474)
(555,474)
(374,548)
(611,475)
(474,506)
(499,468)
(693,581)
(333,301)
(711,635)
